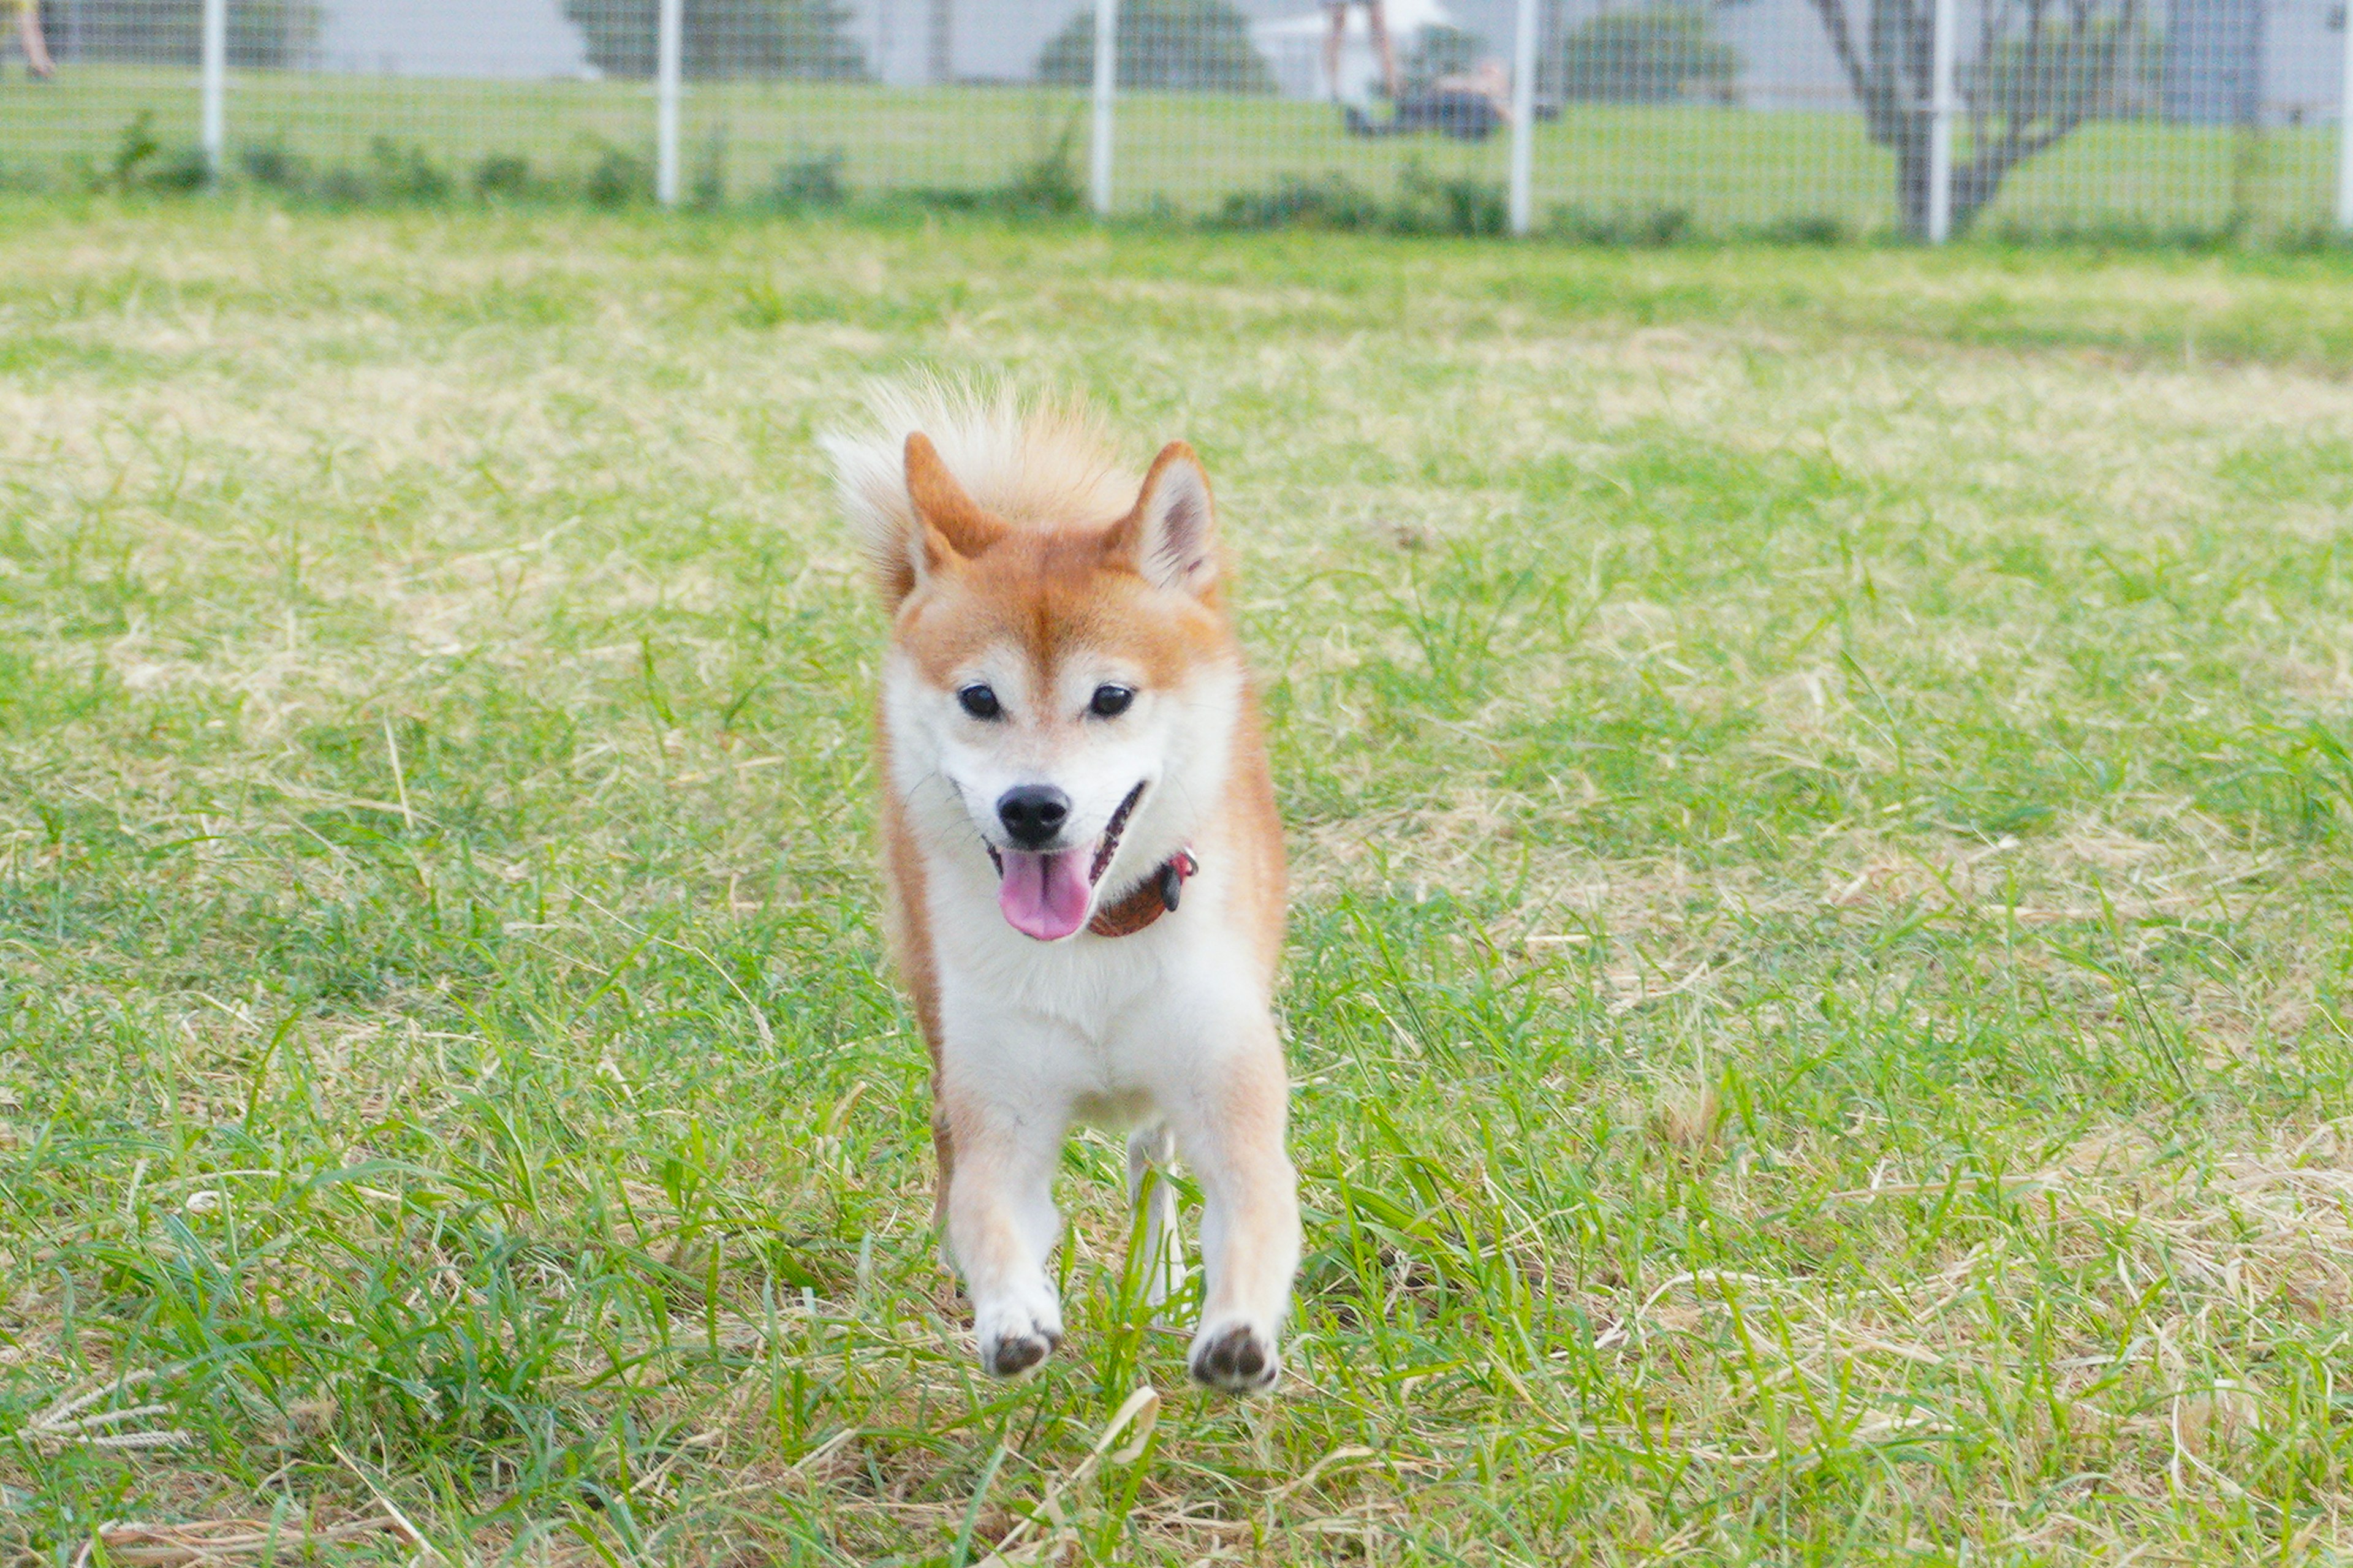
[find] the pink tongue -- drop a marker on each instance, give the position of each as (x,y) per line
(1044,896)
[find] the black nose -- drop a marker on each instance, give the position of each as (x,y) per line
(1033,813)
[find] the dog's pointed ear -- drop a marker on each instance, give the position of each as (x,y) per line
(1171,537)
(952,526)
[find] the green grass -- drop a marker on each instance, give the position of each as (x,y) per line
(1818,991)
(1714,170)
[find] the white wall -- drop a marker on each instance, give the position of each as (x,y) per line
(1789,63)
(894,34)
(998,40)
(525,38)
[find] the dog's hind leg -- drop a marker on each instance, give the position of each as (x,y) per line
(944,1153)
(1162,1261)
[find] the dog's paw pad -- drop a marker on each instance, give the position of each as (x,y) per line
(1016,1353)
(1237,1358)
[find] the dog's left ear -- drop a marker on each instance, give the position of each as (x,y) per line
(1171,537)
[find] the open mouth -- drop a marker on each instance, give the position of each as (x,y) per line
(1045,895)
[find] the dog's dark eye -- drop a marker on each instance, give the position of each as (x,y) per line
(979,702)
(1111,701)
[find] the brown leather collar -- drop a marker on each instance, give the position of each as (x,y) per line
(1155,896)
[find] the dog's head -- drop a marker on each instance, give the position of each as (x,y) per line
(1057,693)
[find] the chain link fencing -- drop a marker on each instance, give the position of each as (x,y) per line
(1596,118)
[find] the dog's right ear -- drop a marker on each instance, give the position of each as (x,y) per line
(949,526)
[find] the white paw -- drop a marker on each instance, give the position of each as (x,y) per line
(1236,1355)
(1016,1336)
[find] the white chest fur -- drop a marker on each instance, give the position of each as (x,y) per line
(1097,1020)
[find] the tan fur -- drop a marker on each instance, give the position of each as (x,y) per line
(1001,531)
(1032,464)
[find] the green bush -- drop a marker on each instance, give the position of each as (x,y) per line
(143,163)
(1046,186)
(1174,46)
(1658,54)
(799,40)
(618,178)
(397,173)
(1424,204)
(274,165)
(809,183)
(263,34)
(505,176)
(1657,227)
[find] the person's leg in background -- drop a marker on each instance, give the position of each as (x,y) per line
(1336,13)
(1379,22)
(28,31)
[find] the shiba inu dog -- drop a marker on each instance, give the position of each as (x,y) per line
(1084,867)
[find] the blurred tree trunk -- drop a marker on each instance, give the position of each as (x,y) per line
(941,41)
(2042,69)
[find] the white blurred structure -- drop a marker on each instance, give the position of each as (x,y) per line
(2291,70)
(1294,47)
(2214,117)
(529,39)
(895,35)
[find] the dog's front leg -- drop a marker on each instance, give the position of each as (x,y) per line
(1001,1223)
(1229,1126)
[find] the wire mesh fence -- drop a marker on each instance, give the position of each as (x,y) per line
(1629,117)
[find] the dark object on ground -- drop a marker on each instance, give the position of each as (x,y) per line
(1466,116)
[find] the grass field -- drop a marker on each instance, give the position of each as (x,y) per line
(1722,169)
(1819,796)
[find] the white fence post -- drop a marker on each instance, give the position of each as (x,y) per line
(1107,125)
(1941,105)
(2345,131)
(1523,113)
(670,43)
(215,132)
